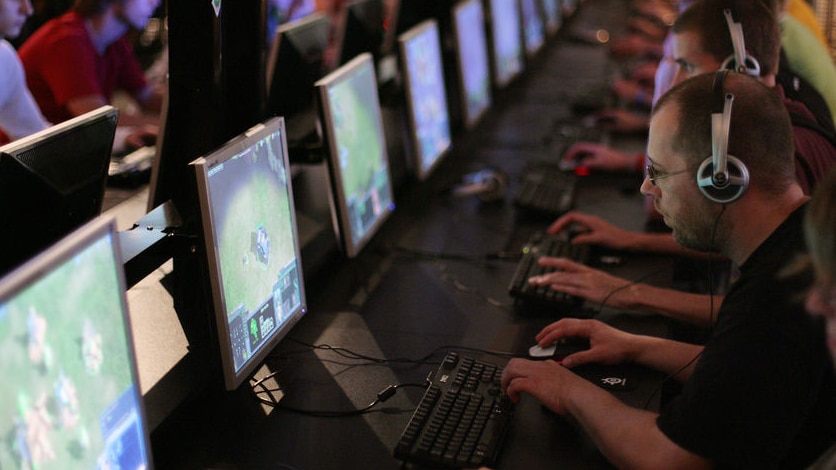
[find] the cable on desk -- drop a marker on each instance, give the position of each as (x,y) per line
(425,359)
(438,255)
(381,397)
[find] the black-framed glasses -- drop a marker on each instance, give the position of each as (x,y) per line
(655,175)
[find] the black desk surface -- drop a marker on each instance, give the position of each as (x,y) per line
(402,299)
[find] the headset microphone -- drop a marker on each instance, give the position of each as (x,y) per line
(739,61)
(722,178)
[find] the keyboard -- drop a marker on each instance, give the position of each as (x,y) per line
(547,191)
(540,245)
(461,419)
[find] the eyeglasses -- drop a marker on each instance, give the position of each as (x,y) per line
(655,175)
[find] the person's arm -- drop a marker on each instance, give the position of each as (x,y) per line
(601,288)
(596,231)
(629,437)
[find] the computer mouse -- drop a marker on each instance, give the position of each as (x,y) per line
(539,352)
(559,349)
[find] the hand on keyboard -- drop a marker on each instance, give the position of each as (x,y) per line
(576,279)
(590,229)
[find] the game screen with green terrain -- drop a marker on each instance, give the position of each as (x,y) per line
(69,394)
(254,245)
(359,162)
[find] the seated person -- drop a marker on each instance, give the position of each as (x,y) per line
(19,114)
(75,63)
(807,56)
(700,47)
(820,233)
(727,415)
(701,42)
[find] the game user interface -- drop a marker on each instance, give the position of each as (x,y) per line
(474,71)
(534,31)
(507,40)
(359,166)
(252,246)
(553,15)
(52,182)
(71,396)
(426,96)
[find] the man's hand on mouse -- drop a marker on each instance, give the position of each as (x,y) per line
(597,156)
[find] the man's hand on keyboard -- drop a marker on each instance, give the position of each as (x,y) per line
(547,381)
(582,281)
(593,230)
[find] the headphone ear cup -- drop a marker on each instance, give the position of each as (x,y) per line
(750,66)
(733,189)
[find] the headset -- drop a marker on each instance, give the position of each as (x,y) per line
(722,178)
(739,61)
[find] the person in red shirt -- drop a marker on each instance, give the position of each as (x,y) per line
(76,62)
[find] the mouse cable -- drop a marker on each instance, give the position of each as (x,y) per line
(425,359)
(437,255)
(381,397)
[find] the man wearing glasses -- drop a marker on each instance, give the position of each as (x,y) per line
(761,392)
(702,42)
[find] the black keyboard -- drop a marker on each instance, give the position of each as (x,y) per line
(540,245)
(462,418)
(547,191)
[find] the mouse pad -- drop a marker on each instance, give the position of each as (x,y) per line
(609,377)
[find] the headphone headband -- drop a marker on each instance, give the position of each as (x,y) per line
(739,61)
(721,177)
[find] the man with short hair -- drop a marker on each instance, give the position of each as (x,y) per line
(761,392)
(76,62)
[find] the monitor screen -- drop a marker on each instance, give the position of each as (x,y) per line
(534,31)
(474,71)
(553,16)
(295,63)
(359,166)
(252,246)
(53,181)
(506,38)
(360,30)
(71,393)
(426,96)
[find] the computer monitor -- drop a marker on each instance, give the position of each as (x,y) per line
(429,119)
(71,392)
(295,63)
(361,186)
(53,181)
(533,27)
(552,15)
(360,30)
(506,41)
(252,246)
(472,60)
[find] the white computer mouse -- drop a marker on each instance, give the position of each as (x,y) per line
(537,351)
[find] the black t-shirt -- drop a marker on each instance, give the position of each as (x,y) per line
(762,395)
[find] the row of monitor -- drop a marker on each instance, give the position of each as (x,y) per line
(73,385)
(489,41)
